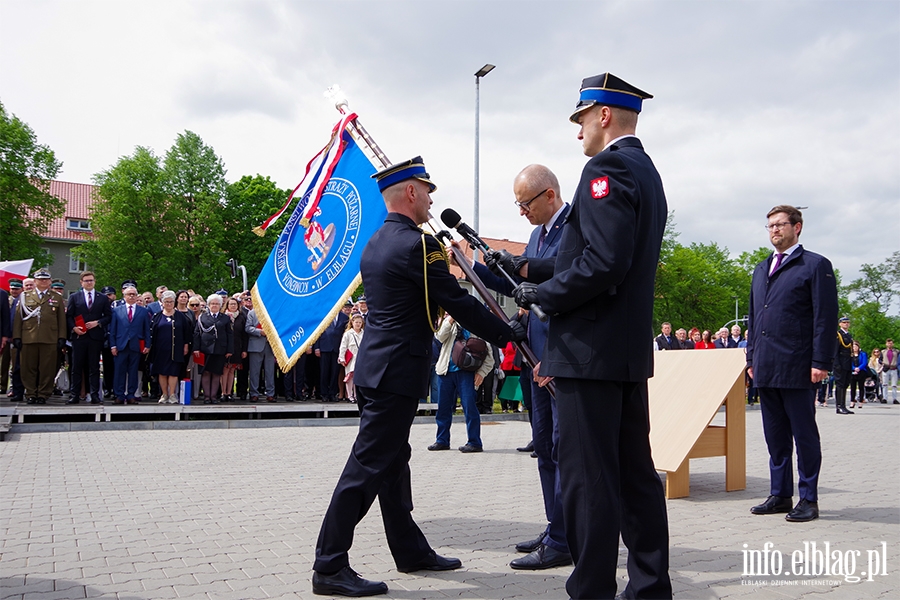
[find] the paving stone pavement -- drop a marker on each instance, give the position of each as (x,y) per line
(234,513)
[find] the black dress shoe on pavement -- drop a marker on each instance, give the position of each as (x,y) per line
(73,401)
(433,562)
(544,557)
(804,511)
(437,446)
(531,545)
(772,505)
(346,582)
(470,448)
(529,447)
(843,410)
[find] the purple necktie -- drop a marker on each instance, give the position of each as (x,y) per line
(778,258)
(542,237)
(130,314)
(90,300)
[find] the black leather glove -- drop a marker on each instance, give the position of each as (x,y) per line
(502,259)
(519,332)
(17,343)
(60,343)
(526,294)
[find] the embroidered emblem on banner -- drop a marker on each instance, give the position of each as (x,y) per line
(600,187)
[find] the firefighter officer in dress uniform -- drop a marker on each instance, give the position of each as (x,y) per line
(406,277)
(39,332)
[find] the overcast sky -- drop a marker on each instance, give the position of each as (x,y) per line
(756,103)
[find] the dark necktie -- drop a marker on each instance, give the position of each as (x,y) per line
(778,259)
(542,237)
(130,313)
(90,300)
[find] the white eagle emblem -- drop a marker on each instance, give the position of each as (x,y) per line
(600,187)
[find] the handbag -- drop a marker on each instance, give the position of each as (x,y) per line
(62,379)
(468,354)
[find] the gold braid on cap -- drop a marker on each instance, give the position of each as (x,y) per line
(426,259)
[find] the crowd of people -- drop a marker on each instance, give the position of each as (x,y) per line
(95,346)
(871,376)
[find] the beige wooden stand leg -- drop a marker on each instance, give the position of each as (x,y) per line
(736,438)
(678,483)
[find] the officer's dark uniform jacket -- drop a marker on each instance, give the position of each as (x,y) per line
(792,319)
(395,353)
(603,275)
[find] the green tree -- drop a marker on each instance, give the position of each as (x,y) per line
(870,326)
(128,219)
(878,283)
(161,222)
(194,179)
(248,202)
(26,207)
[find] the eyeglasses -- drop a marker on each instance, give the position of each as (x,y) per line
(524,205)
(777,226)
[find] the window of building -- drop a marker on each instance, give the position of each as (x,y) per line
(78,224)
(76,265)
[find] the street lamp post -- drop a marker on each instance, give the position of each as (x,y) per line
(478,75)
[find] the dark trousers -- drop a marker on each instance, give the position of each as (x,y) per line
(295,378)
(378,466)
(545,435)
(789,417)
(18,388)
(86,357)
(606,469)
(127,369)
(841,383)
(242,377)
(328,374)
(4,366)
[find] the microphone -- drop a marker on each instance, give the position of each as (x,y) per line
(452,219)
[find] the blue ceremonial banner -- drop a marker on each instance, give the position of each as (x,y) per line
(314,267)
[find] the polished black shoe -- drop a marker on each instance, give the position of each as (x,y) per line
(470,448)
(439,446)
(95,399)
(346,582)
(16,399)
(531,545)
(772,505)
(804,511)
(843,410)
(73,400)
(544,557)
(433,562)
(529,447)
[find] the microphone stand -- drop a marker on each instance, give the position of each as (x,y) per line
(483,291)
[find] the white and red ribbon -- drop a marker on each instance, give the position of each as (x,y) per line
(322,163)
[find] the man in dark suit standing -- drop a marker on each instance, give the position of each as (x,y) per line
(407,279)
(5,327)
(88,314)
(665,340)
(326,348)
(602,282)
(129,337)
(793,309)
(538,198)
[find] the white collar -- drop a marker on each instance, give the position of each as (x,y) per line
(621,137)
(553,219)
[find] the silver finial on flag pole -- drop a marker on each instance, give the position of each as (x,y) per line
(336,95)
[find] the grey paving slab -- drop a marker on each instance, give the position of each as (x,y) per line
(234,513)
